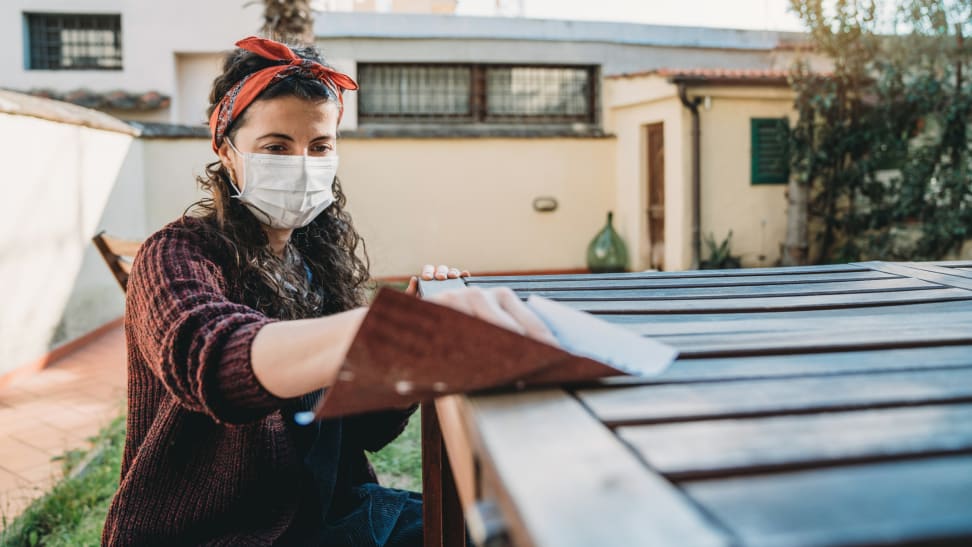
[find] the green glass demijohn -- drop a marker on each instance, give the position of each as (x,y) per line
(607,252)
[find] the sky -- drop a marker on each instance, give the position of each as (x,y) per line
(744,14)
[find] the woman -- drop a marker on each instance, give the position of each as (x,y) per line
(238,316)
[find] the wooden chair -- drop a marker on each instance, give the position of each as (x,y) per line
(118,255)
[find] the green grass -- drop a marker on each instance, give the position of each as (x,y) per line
(73,512)
(399,465)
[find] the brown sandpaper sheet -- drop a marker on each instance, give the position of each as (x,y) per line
(408,350)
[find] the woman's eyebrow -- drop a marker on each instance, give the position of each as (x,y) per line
(328,137)
(283,136)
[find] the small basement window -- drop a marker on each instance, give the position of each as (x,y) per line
(73,41)
(770,164)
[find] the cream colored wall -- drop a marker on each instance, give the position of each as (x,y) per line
(631,105)
(756,213)
(170,170)
(469,201)
(61,183)
(194,77)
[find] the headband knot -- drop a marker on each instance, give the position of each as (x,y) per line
(244,92)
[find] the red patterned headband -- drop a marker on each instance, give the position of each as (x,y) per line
(249,88)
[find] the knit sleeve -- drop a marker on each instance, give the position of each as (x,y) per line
(195,340)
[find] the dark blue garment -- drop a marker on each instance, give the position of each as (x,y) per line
(346,506)
(382,517)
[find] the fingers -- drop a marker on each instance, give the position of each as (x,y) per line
(531,324)
(442,272)
(412,288)
(485,306)
(501,307)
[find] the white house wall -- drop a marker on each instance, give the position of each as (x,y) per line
(62,182)
(152,34)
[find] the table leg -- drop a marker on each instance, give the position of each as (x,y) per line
(442,519)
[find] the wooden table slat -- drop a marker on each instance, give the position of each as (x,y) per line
(659,282)
(777,396)
(797,323)
(823,315)
(706,305)
(876,504)
(737,291)
(906,269)
(577,484)
(787,270)
(847,339)
(951,271)
(805,364)
(721,447)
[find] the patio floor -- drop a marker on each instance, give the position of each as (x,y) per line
(55,410)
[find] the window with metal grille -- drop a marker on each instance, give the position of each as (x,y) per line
(73,41)
(770,164)
(478,93)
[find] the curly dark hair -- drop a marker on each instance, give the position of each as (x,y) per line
(329,245)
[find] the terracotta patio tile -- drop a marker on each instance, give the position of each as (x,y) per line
(44,476)
(46,437)
(54,410)
(10,480)
(17,456)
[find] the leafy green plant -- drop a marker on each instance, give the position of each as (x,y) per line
(881,145)
(720,254)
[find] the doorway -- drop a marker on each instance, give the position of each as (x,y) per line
(656,195)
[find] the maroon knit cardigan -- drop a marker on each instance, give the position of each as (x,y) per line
(209,458)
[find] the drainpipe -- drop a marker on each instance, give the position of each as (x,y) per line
(693,106)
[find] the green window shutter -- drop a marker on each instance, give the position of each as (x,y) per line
(769,143)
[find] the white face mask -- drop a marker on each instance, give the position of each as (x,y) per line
(286,191)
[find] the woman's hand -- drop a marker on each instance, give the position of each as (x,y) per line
(430,272)
(499,306)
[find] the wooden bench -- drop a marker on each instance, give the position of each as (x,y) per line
(118,255)
(824,405)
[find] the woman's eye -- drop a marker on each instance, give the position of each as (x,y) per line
(320,149)
(275,148)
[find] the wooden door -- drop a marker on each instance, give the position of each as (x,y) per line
(656,195)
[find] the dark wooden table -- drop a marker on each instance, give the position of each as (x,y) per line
(826,405)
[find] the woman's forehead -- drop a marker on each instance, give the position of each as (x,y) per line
(291,116)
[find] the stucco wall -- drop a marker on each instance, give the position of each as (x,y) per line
(151,33)
(634,104)
(62,181)
(467,202)
(756,214)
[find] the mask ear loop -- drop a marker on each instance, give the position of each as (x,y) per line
(230,173)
